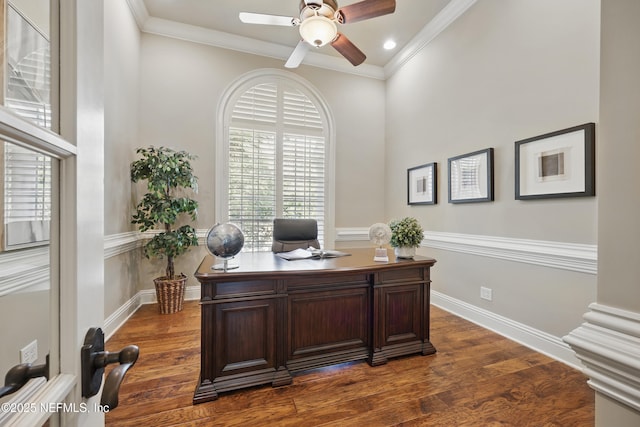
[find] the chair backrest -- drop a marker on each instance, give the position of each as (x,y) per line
(290,234)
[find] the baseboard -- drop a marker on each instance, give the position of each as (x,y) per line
(537,340)
(121,315)
(146,296)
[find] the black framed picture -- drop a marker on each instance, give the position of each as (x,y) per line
(421,185)
(471,177)
(556,164)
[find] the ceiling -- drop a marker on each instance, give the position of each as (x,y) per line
(220,19)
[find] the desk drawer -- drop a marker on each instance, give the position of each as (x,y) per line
(416,274)
(238,289)
(327,282)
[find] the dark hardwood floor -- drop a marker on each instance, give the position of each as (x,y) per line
(477,378)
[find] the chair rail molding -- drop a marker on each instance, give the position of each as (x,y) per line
(608,344)
(582,258)
(25,269)
(117,244)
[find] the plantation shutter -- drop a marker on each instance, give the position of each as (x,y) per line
(276,162)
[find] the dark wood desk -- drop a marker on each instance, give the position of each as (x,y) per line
(271,317)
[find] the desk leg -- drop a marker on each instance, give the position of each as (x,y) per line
(377,358)
(205,392)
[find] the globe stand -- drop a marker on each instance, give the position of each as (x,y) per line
(225,266)
(381,255)
(224,241)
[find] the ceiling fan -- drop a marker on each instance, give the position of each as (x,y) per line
(318,25)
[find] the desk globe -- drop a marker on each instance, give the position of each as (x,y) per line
(224,241)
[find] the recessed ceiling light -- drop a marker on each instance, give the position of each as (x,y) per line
(389,44)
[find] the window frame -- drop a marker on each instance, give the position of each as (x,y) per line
(225,109)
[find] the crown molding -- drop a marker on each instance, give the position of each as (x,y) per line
(438,24)
(167,28)
(608,344)
(139,12)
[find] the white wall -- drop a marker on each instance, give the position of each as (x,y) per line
(493,77)
(502,72)
(121,80)
(181,86)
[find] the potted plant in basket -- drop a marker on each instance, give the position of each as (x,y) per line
(406,236)
(170,180)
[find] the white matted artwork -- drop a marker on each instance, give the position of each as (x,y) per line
(471,177)
(421,185)
(557,164)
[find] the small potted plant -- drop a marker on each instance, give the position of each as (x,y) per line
(170,180)
(406,236)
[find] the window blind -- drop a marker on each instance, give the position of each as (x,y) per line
(276,160)
(252,185)
(27,195)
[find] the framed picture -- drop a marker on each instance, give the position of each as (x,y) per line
(421,185)
(471,177)
(557,164)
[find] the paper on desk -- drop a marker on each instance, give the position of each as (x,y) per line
(295,254)
(310,253)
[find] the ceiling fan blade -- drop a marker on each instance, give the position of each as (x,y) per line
(297,55)
(263,19)
(347,49)
(366,9)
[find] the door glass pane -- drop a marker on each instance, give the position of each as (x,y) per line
(28,288)
(28,60)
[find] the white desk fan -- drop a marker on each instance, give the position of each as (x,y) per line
(380,235)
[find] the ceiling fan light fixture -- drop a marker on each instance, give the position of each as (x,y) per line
(318,30)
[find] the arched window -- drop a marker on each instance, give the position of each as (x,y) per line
(276,157)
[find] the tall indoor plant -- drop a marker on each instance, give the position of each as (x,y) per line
(170,181)
(406,236)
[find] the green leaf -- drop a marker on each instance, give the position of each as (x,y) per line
(170,183)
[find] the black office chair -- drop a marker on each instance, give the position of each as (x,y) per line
(290,234)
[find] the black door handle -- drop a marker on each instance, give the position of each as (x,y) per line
(94,358)
(19,375)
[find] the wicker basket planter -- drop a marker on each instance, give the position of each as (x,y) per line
(170,293)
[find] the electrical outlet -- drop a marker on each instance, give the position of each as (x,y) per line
(486,293)
(29,354)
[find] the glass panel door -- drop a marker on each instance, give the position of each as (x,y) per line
(29,203)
